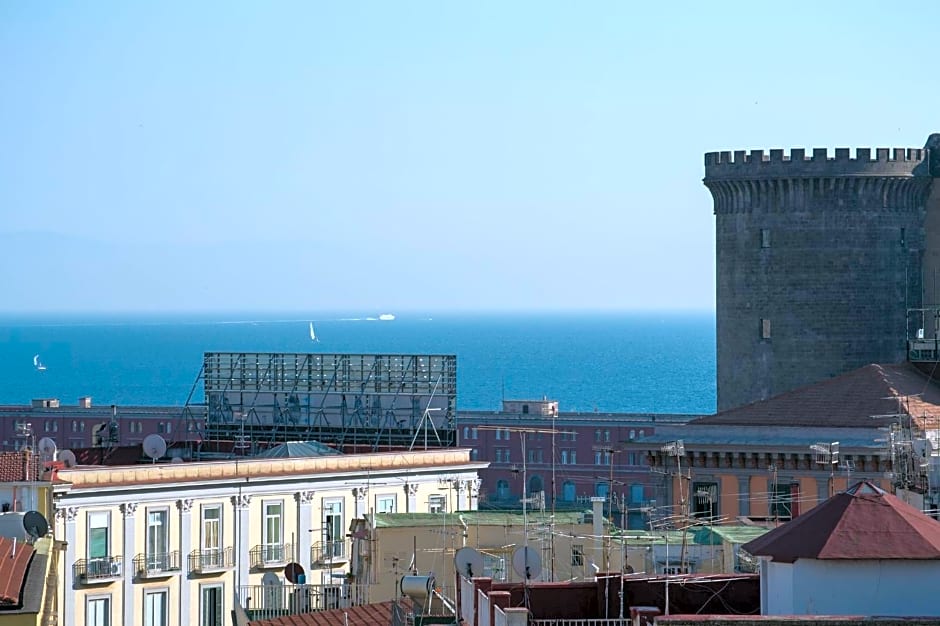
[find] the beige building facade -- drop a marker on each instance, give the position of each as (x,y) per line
(182,543)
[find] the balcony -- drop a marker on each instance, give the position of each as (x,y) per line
(98,570)
(330,554)
(269,555)
(211,560)
(260,602)
(157,565)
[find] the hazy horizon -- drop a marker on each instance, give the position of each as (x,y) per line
(414,156)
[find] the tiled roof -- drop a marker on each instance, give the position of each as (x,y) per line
(861,523)
(844,401)
(20,466)
(376,614)
(14,564)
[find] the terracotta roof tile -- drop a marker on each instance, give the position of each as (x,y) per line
(849,400)
(14,465)
(13,568)
(861,523)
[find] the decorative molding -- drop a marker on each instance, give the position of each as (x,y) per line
(184,505)
(128,508)
(241,501)
(304,497)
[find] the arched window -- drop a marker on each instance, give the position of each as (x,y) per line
(466,432)
(502,489)
(535,484)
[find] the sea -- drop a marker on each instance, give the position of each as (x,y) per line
(643,362)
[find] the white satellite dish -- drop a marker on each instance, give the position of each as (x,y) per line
(67,457)
(468,562)
(47,448)
(154,446)
(527,563)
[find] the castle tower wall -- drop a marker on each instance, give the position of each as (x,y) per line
(818,259)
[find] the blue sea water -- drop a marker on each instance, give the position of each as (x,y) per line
(626,362)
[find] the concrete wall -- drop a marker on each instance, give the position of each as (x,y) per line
(891,588)
(828,251)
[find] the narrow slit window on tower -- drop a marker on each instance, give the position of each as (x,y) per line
(764,237)
(903,237)
(764,328)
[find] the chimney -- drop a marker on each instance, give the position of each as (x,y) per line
(84,402)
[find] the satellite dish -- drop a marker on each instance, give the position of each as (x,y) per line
(294,572)
(527,563)
(47,448)
(468,562)
(35,524)
(67,457)
(154,446)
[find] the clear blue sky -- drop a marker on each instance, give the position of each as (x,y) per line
(393,156)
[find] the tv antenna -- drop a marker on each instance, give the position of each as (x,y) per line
(154,446)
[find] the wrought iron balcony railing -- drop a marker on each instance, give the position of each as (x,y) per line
(99,569)
(211,560)
(327,553)
(157,564)
(270,555)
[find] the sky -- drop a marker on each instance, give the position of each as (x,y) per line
(397,156)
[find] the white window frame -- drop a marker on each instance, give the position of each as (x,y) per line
(157,560)
(203,607)
(211,554)
(148,616)
(273,547)
(437,503)
(386,498)
(104,619)
(334,533)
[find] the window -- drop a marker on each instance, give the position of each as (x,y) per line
(210,605)
(574,457)
(568,491)
(333,528)
(437,504)
(466,432)
(564,457)
(675,570)
(499,434)
(597,457)
(502,489)
(474,454)
(385,504)
(606,435)
(473,433)
(272,531)
(525,408)
(597,435)
(577,554)
(531,455)
(636,494)
(506,434)
(764,328)
(601,489)
(158,540)
(99,543)
(211,536)
(155,606)
(632,434)
(705,500)
(98,611)
(765,237)
(74,426)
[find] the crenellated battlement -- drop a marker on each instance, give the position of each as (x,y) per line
(820,162)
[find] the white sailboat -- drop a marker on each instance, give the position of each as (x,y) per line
(38,364)
(313,334)
(386,317)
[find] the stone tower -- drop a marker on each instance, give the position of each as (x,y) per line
(818,260)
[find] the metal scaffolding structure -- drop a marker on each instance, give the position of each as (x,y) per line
(371,401)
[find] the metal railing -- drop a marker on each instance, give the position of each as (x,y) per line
(211,559)
(565,621)
(157,564)
(325,553)
(273,601)
(98,569)
(270,555)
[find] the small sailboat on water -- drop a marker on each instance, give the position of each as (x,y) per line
(313,334)
(38,364)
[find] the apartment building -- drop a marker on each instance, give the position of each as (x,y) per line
(172,544)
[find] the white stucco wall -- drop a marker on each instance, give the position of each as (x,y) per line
(822,587)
